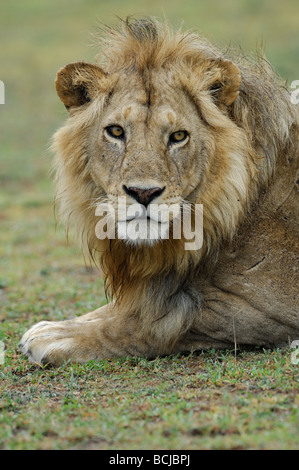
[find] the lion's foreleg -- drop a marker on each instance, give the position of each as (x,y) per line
(104,333)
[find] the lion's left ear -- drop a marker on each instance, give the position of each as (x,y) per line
(223,80)
(77,83)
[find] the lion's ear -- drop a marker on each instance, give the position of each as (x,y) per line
(224,80)
(77,83)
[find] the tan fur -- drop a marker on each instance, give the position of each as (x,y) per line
(240,162)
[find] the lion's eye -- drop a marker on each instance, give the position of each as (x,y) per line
(178,136)
(115,131)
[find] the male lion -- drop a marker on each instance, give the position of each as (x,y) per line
(169,119)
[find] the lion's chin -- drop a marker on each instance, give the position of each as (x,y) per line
(143,231)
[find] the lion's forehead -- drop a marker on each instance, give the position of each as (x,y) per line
(136,100)
(161,115)
(130,113)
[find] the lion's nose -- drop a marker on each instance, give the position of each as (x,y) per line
(143,195)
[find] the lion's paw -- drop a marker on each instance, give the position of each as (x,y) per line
(49,342)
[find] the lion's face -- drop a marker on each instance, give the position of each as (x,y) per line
(149,138)
(144,146)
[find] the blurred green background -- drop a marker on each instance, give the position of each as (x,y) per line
(37,38)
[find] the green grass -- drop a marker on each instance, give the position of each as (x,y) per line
(207,401)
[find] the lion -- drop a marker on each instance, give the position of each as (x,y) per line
(163,117)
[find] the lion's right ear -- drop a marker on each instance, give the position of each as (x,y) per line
(79,82)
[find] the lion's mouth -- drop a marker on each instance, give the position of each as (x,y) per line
(144,224)
(142,229)
(142,218)
(161,214)
(136,223)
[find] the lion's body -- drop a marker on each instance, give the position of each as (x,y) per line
(237,157)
